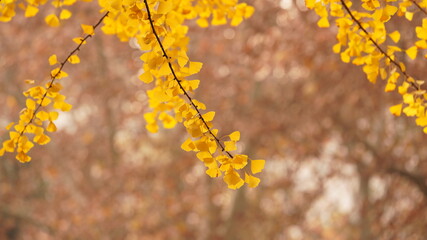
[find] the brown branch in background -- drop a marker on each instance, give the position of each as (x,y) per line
(54,77)
(5,211)
(379,48)
(179,82)
(419,7)
(419,180)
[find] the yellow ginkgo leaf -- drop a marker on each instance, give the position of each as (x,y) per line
(403,88)
(146,77)
(395,36)
(421,121)
(51,127)
(204,156)
(202,146)
(251,180)
(188,145)
(42,115)
(409,15)
(44,101)
(152,127)
(52,20)
(213,172)
(164,7)
(9,125)
(239,161)
(236,20)
(41,139)
(195,67)
(257,166)
(66,107)
(310,3)
(421,44)
(235,136)
(168,41)
(63,106)
(193,84)
(31,11)
(30,104)
(408,98)
(233,180)
(218,17)
(390,87)
(29,81)
(53,115)
(53,59)
(74,59)
(336,48)
(167,120)
(396,110)
(199,104)
(388,12)
(323,22)
(65,14)
(9,145)
(412,52)
(150,117)
(87,29)
(230,146)
(164,69)
(68,2)
(22,157)
(202,22)
(79,40)
(209,116)
(182,58)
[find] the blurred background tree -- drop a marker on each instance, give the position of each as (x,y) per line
(339,166)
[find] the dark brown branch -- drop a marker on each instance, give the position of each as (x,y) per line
(165,55)
(20,216)
(419,7)
(378,46)
(418,180)
(54,77)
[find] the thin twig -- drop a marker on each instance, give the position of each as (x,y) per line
(379,48)
(165,55)
(54,77)
(419,7)
(20,215)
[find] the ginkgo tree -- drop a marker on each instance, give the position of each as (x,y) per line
(158,27)
(161,34)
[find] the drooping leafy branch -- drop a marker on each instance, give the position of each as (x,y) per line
(195,107)
(159,29)
(32,117)
(363,39)
(205,141)
(390,59)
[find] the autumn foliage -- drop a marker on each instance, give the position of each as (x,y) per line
(366,38)
(120,124)
(159,30)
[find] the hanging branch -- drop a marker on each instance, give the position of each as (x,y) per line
(165,55)
(57,74)
(403,71)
